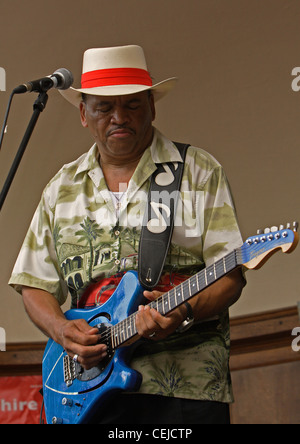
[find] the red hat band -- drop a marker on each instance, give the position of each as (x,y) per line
(115,76)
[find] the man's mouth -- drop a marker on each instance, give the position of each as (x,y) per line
(120,132)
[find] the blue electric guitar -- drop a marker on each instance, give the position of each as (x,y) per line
(72,394)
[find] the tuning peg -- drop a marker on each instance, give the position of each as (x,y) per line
(267,230)
(281,227)
(273,229)
(260,231)
(295,226)
(288,226)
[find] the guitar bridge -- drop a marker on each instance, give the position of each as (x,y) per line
(69,370)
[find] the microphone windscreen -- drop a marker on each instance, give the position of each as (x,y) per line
(65,78)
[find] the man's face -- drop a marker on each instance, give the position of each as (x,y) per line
(120,125)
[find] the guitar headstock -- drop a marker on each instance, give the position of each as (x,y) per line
(257,249)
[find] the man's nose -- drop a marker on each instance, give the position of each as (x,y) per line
(120,115)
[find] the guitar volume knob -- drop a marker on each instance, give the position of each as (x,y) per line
(56,420)
(67,401)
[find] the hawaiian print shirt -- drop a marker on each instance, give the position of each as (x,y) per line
(77,240)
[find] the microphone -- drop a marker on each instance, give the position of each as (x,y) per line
(61,79)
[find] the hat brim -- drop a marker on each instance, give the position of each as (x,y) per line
(74,96)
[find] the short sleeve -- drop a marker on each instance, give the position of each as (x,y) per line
(37,264)
(221,230)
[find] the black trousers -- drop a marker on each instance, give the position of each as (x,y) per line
(155,409)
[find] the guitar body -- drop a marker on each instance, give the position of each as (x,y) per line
(72,395)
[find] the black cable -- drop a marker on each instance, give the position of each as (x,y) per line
(6,118)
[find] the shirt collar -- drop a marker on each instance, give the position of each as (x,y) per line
(89,160)
(164,150)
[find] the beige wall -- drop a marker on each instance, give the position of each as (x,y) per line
(234,59)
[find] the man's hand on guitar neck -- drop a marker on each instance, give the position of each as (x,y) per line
(210,302)
(152,325)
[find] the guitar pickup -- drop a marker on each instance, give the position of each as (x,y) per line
(69,370)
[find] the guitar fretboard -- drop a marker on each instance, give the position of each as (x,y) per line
(126,329)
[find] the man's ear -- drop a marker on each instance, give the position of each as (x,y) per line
(152,105)
(82,108)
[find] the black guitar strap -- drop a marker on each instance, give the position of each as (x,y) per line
(158,223)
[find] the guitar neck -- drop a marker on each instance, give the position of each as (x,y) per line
(194,285)
(126,329)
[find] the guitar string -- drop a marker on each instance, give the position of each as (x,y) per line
(169,298)
(233,259)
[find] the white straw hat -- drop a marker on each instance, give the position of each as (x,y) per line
(116,71)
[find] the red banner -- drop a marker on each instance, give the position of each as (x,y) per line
(20,399)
